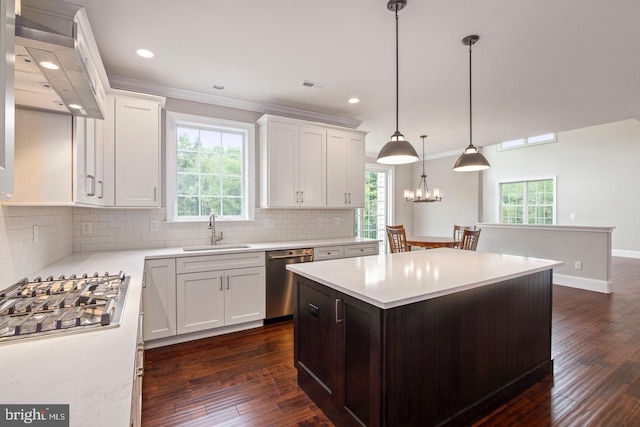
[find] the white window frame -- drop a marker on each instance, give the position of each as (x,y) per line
(526,142)
(173,120)
(390,171)
(527,179)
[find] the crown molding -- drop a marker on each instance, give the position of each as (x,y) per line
(134,85)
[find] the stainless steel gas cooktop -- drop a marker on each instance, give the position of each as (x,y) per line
(41,308)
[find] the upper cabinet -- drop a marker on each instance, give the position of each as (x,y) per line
(345,169)
(137,150)
(295,169)
(293,165)
(7,30)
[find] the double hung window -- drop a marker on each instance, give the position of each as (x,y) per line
(528,201)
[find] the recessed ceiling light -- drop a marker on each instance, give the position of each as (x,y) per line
(353,100)
(218,87)
(49,65)
(144,53)
(75,106)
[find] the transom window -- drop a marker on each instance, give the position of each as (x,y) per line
(528,201)
(208,168)
(525,142)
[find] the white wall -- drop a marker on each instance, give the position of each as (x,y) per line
(461,203)
(597,174)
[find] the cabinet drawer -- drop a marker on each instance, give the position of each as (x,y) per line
(360,250)
(332,252)
(196,264)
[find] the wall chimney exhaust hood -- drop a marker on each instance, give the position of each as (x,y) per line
(55,37)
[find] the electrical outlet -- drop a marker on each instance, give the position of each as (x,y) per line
(36,235)
(336,220)
(86,228)
(268,222)
(153,225)
(578,265)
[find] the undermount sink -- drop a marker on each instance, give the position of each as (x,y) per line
(214,247)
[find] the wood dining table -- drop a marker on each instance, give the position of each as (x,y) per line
(431,242)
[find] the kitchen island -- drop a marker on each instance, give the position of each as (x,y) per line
(423,338)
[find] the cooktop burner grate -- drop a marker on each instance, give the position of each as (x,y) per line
(32,309)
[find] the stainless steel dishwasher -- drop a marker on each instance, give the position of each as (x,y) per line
(280,280)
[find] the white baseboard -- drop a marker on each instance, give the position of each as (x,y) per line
(625,254)
(602,286)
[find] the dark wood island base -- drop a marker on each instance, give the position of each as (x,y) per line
(444,361)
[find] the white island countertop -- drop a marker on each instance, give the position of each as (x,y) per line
(394,280)
(92,371)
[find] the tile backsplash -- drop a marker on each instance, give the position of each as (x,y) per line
(63,230)
(113,229)
(23,251)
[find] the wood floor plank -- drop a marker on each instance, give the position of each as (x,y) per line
(248,378)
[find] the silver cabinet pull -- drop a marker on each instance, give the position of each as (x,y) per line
(155,194)
(220,282)
(227,282)
(338,319)
(345,198)
(91,183)
(297,197)
(349,198)
(302,197)
(101,189)
(144,279)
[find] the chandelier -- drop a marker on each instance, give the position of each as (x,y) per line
(422,193)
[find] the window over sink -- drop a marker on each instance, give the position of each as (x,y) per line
(210,163)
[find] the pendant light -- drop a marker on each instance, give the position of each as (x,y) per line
(397,151)
(471,160)
(422,193)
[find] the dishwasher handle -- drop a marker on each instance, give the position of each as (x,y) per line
(290,254)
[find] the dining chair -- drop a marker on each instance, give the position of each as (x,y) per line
(470,239)
(457,234)
(397,238)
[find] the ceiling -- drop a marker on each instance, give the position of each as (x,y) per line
(540,66)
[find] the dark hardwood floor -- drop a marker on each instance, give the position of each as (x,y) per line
(248,378)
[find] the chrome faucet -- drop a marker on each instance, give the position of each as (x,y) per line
(212,226)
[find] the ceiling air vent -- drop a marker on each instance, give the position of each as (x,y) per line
(314,85)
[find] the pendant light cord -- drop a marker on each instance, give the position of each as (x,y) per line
(470,96)
(397,78)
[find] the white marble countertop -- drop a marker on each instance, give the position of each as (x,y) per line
(93,371)
(393,280)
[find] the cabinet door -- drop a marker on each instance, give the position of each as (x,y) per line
(337,166)
(312,168)
(345,169)
(159,299)
(355,171)
(200,301)
(282,165)
(137,141)
(245,295)
(7,29)
(86,158)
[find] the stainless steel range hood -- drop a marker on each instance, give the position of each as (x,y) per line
(76,86)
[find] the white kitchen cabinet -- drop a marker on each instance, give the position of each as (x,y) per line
(345,169)
(90,184)
(137,150)
(362,249)
(346,251)
(245,295)
(159,298)
(200,298)
(7,41)
(293,164)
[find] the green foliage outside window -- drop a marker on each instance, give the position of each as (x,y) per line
(210,172)
(527,202)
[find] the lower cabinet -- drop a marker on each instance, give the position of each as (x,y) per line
(212,299)
(199,293)
(159,298)
(346,251)
(337,345)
